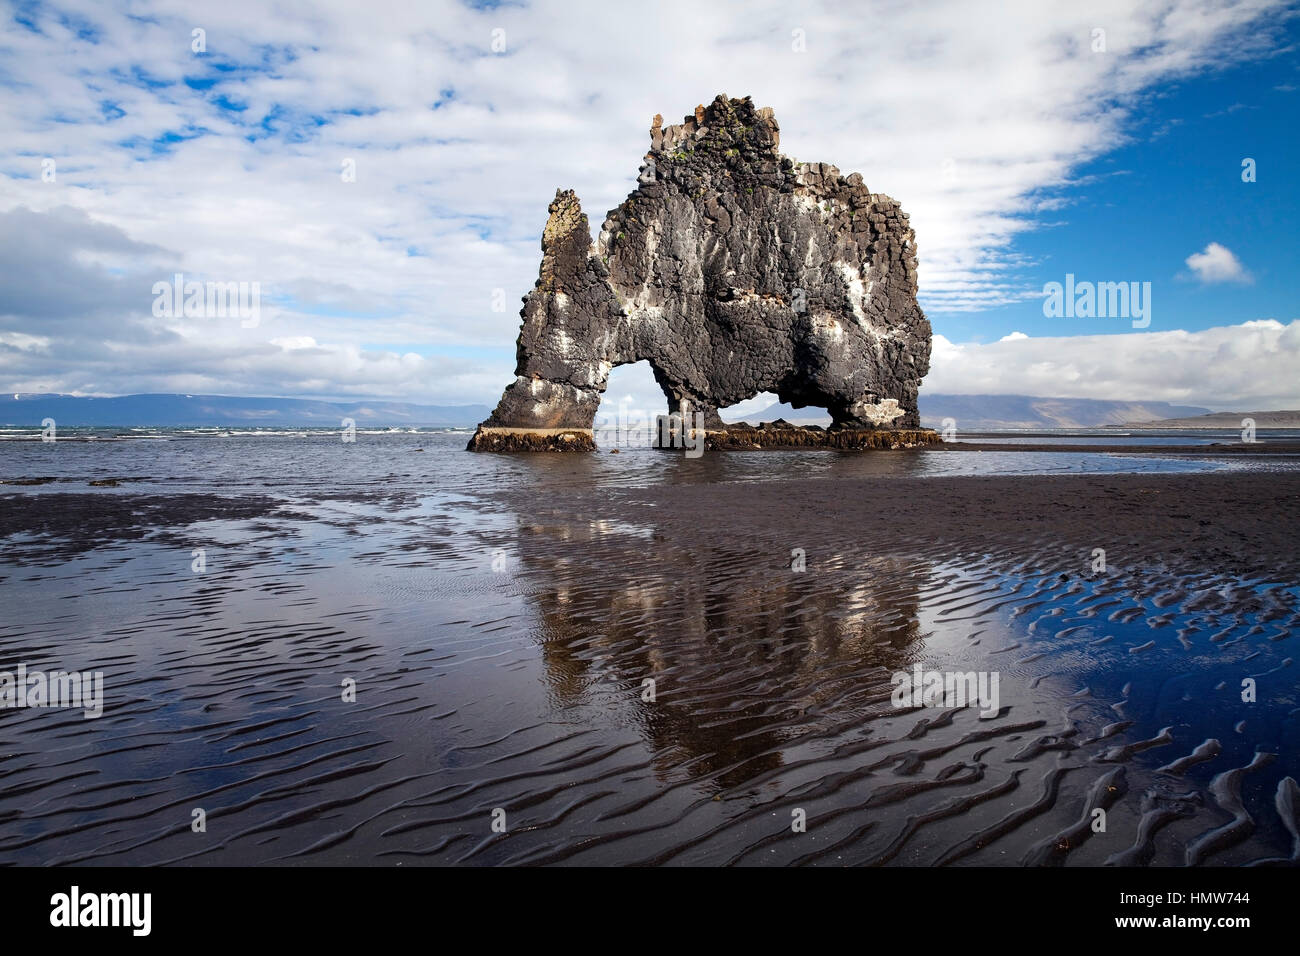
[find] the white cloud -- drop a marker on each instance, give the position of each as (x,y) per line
(17,340)
(1228,367)
(1216,263)
(295,342)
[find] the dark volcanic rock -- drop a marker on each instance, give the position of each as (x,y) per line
(733,270)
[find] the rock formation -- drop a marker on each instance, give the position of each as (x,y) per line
(732,270)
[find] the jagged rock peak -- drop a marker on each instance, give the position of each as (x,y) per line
(725,123)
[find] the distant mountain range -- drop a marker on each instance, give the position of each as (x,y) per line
(996,412)
(987,412)
(971,412)
(1232,420)
(795,416)
(224,411)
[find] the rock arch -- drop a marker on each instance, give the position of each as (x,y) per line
(733,270)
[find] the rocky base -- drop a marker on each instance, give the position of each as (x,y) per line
(780,434)
(531,439)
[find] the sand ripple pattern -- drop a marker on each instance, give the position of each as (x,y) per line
(501,649)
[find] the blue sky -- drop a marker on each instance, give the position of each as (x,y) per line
(1138,212)
(1021,152)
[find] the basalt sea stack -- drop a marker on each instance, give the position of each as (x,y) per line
(732,270)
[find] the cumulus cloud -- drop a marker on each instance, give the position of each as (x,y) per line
(1216,263)
(1228,367)
(62,266)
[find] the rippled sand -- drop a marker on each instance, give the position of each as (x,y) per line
(500,635)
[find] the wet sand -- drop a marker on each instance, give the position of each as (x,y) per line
(1271,448)
(501,644)
(1121,687)
(1185,523)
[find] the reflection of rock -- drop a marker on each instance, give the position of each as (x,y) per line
(732,270)
(732,637)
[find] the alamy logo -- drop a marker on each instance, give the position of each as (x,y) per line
(676,431)
(56,689)
(208,300)
(922,688)
(74,908)
(1098,300)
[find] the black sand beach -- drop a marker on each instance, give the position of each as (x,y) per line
(501,639)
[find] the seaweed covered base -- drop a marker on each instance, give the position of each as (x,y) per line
(781,434)
(531,439)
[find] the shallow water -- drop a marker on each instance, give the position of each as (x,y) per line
(500,628)
(1118,436)
(310,463)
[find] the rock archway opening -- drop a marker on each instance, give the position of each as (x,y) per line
(629,408)
(768,407)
